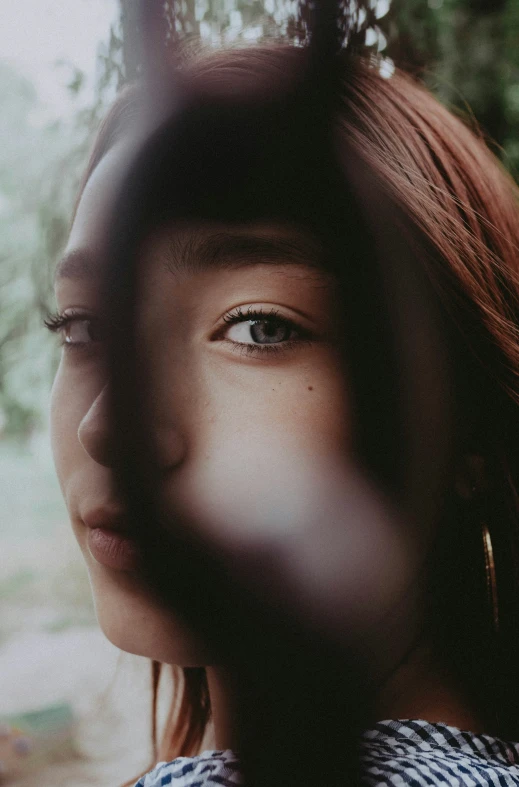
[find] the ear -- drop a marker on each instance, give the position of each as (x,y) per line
(471,478)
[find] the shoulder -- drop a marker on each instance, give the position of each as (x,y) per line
(209,769)
(406,753)
(418,754)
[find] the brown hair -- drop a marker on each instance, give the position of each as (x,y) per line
(464,208)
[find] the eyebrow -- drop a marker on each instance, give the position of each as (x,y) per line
(188,252)
(228,249)
(77,264)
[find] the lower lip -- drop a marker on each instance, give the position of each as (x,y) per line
(113,549)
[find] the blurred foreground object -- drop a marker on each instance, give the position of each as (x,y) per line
(305,586)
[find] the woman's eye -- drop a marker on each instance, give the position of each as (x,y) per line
(74,331)
(80,332)
(261,331)
(255,330)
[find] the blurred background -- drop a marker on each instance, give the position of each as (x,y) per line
(67,697)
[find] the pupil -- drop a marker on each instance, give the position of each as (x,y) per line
(269,331)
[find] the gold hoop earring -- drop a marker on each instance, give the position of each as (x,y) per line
(490,571)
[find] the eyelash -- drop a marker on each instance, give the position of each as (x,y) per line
(253,313)
(57,322)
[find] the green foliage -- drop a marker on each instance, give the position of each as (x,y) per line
(40,166)
(467,51)
(22,157)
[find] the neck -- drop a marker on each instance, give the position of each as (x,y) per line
(221,712)
(417,689)
(420,689)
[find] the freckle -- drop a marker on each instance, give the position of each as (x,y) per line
(310,387)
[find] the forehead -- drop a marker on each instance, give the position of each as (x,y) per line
(94,208)
(179,248)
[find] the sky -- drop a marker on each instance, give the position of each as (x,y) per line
(35,34)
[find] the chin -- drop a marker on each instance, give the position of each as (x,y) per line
(131,618)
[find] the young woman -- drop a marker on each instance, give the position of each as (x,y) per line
(242,322)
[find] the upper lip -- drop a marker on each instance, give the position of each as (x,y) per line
(105,518)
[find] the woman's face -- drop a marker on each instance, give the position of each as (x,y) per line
(237,326)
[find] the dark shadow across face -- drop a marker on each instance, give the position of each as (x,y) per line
(237,333)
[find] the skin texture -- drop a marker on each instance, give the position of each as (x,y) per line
(220,408)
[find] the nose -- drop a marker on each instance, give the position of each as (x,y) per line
(95,431)
(96,435)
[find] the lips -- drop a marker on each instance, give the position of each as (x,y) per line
(105,518)
(109,542)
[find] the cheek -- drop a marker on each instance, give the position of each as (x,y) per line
(255,426)
(71,396)
(63,436)
(301,411)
